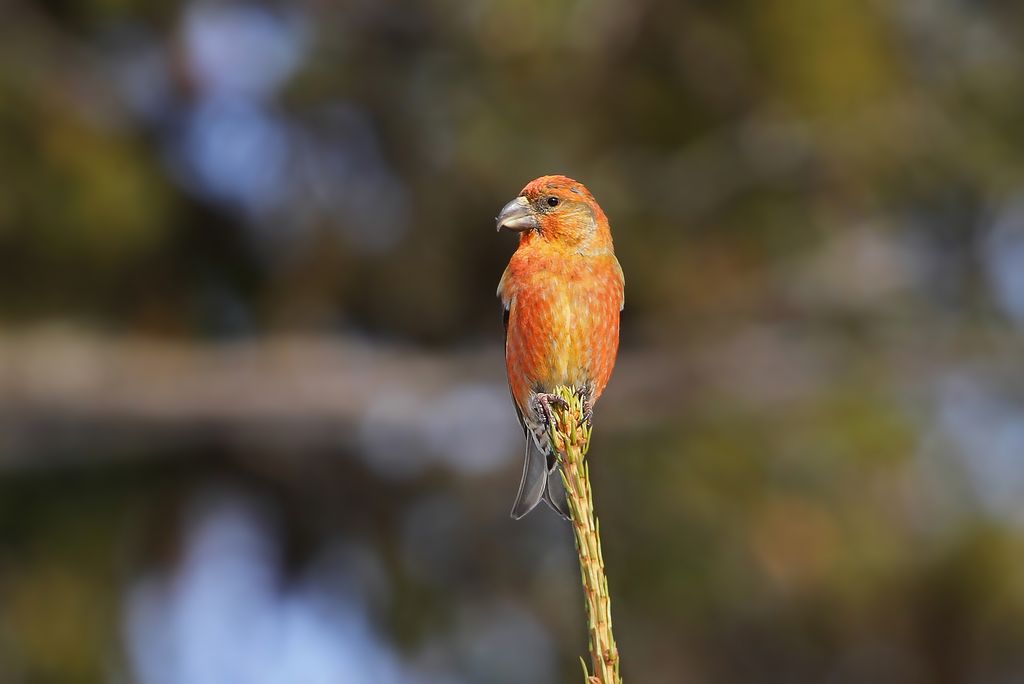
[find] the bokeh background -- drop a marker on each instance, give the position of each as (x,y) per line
(253,420)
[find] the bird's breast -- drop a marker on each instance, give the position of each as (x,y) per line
(563,326)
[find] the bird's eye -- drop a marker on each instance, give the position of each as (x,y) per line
(552,201)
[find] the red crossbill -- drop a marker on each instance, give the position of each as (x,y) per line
(561,294)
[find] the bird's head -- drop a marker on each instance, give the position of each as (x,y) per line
(557,210)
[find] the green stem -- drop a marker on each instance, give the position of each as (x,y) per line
(572,441)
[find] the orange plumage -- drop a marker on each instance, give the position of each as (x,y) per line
(562,293)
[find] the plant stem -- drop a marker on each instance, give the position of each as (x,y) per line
(571,440)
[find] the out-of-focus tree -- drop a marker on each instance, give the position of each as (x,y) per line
(813,468)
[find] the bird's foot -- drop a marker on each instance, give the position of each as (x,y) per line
(586,395)
(588,414)
(545,401)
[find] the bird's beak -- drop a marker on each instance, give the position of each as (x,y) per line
(517,215)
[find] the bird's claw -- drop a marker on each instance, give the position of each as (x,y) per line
(588,416)
(585,394)
(545,402)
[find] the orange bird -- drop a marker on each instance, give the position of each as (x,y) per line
(561,294)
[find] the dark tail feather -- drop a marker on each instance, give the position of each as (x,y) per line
(534,484)
(557,503)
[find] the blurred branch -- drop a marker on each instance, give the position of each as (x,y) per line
(63,389)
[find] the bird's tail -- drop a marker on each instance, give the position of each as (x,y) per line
(535,484)
(535,479)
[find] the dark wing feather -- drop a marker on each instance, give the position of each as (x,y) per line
(535,485)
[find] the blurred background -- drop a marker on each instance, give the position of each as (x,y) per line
(253,418)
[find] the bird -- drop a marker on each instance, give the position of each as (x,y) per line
(561,296)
